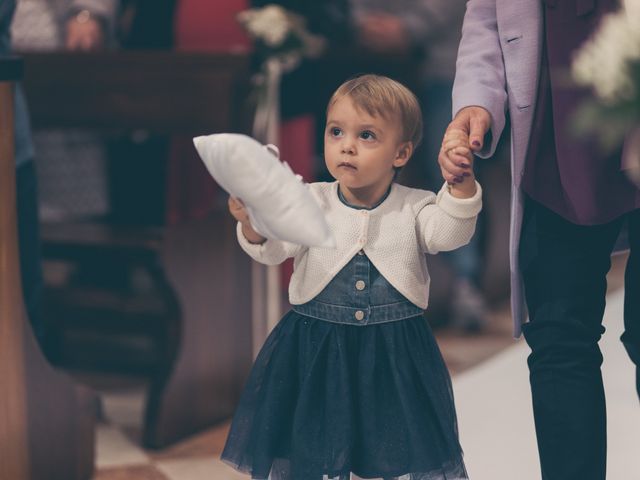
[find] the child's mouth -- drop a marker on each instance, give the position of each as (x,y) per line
(347,165)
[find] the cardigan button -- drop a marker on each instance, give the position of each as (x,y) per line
(360,252)
(359,315)
(360,285)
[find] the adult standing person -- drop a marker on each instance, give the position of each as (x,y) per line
(70,163)
(569,204)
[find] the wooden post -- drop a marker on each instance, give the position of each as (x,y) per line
(14,462)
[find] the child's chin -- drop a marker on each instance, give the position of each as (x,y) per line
(349,183)
(348,175)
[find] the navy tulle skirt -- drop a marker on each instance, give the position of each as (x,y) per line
(325,399)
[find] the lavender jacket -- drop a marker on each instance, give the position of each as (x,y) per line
(498,68)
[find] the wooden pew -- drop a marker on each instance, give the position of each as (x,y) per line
(200,379)
(46,422)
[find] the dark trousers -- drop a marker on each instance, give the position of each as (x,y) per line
(564,268)
(29,246)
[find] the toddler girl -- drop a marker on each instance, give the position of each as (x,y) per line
(351,380)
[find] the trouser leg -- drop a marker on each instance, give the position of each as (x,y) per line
(631,336)
(564,270)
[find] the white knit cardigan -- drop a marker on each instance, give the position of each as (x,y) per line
(395,236)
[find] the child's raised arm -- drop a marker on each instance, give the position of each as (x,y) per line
(455,145)
(239,212)
(261,249)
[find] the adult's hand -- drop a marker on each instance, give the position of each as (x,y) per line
(84,33)
(473,123)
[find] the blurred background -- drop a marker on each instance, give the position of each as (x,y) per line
(143,313)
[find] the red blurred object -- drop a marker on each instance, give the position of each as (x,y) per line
(202,25)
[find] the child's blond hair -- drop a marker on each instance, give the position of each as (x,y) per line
(379,95)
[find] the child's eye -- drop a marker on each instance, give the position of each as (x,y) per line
(367,135)
(335,131)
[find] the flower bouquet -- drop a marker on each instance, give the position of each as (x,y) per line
(609,63)
(281,41)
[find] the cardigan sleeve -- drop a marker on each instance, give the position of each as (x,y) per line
(271,252)
(450,222)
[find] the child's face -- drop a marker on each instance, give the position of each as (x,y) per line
(361,151)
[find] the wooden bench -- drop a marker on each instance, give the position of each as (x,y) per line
(46,422)
(198,380)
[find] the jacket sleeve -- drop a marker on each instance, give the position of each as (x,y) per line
(480,77)
(271,252)
(450,222)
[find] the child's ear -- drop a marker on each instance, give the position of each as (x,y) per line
(405,150)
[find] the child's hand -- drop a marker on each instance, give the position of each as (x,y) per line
(455,145)
(239,212)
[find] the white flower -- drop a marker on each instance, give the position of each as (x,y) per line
(272,25)
(269,24)
(603,61)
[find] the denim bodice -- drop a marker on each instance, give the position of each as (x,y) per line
(359,294)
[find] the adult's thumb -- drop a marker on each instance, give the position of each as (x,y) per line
(478,127)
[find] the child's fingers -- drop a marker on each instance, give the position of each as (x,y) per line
(460,156)
(456,147)
(449,144)
(450,166)
(234,205)
(236,201)
(455,157)
(451,131)
(463,152)
(238,210)
(456,135)
(460,152)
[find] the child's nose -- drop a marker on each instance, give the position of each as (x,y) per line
(348,146)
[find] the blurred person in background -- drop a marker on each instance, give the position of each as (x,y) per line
(70,164)
(137,166)
(146,24)
(40,25)
(427,33)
